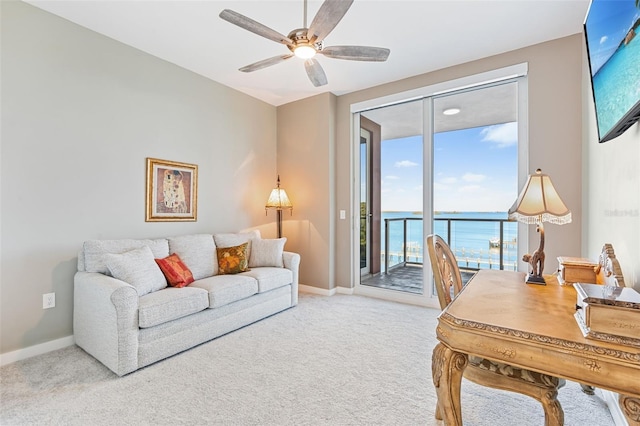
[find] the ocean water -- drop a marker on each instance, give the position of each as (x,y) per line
(470,240)
(617,85)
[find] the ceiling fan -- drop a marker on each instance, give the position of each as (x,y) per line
(306,42)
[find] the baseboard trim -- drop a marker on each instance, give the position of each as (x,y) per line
(315,290)
(611,398)
(43,348)
(324,292)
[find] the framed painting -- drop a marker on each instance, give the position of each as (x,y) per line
(172,191)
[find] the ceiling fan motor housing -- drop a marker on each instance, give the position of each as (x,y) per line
(300,38)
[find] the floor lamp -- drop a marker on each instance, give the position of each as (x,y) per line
(279,201)
(539,202)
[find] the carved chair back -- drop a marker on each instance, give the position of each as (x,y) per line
(446,274)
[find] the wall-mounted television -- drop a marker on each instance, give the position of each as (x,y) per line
(612,32)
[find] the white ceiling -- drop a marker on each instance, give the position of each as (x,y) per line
(423,35)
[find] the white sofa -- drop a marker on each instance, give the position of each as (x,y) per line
(129,325)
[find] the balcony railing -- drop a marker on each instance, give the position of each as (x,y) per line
(475,245)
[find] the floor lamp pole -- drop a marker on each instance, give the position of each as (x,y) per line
(279,219)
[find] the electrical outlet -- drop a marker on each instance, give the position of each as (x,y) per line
(48,300)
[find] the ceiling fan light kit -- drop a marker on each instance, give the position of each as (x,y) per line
(306,43)
(305,52)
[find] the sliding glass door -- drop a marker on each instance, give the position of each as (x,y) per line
(448,162)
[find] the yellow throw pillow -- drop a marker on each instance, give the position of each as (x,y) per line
(232,260)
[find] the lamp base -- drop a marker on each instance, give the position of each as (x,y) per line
(535,279)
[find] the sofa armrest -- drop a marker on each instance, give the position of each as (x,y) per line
(105,320)
(292,262)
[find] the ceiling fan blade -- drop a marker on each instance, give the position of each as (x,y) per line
(265,63)
(356,53)
(328,16)
(315,72)
(254,26)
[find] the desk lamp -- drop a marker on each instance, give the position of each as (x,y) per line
(278,200)
(539,202)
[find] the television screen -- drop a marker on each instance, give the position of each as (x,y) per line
(613,48)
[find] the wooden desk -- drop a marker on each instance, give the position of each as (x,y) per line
(498,316)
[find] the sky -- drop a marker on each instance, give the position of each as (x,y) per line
(608,22)
(474,170)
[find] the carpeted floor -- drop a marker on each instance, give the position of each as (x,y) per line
(340,360)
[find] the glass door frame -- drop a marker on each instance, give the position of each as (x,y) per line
(366,198)
(517,73)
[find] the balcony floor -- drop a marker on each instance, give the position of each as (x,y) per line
(405,278)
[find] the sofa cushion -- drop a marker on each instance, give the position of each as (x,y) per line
(267,252)
(170,304)
(225,289)
(270,278)
(95,251)
(137,268)
(233,260)
(198,252)
(235,239)
(175,271)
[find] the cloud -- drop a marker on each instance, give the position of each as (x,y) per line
(440,187)
(471,177)
(503,135)
(603,39)
(391,177)
(405,163)
(470,188)
(448,181)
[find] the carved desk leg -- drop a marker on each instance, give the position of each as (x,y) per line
(631,409)
(447,367)
(553,413)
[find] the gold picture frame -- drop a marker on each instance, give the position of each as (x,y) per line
(172,191)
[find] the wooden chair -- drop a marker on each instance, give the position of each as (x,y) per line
(486,372)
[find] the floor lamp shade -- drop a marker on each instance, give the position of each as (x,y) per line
(539,202)
(278,200)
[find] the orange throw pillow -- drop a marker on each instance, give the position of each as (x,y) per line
(176,272)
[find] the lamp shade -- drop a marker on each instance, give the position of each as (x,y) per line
(278,199)
(539,202)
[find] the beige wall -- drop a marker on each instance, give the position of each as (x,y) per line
(306,166)
(80,113)
(611,197)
